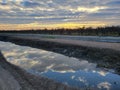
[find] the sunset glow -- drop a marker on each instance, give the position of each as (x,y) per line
(37,26)
(38,14)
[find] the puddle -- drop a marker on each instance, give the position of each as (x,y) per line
(67,70)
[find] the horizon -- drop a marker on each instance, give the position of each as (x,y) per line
(51,14)
(37,26)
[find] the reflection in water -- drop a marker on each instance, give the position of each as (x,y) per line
(71,71)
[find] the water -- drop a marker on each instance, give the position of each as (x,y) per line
(69,37)
(67,70)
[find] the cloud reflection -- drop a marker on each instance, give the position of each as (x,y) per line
(41,60)
(75,72)
(104,85)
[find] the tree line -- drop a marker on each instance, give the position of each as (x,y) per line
(99,31)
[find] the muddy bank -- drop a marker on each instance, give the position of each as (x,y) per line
(104,57)
(15,78)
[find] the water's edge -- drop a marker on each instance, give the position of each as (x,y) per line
(107,57)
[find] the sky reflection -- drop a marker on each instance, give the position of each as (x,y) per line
(68,70)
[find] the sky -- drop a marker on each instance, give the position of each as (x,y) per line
(58,13)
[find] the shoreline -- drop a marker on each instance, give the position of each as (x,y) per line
(104,57)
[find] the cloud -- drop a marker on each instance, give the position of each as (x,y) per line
(4,7)
(29,4)
(52,11)
(87,9)
(114,3)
